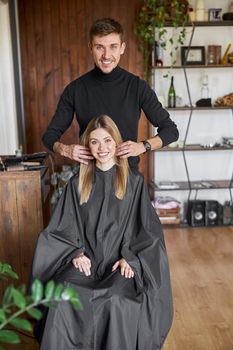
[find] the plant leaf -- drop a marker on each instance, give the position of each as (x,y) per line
(19,299)
(35,313)
(37,291)
(1,348)
(21,324)
(49,290)
(2,316)
(68,293)
(76,303)
(58,291)
(9,337)
(51,305)
(22,289)
(6,269)
(7,297)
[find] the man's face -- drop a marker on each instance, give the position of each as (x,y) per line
(106,51)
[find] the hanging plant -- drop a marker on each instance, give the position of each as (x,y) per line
(153,18)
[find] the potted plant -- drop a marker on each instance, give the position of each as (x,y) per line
(17,306)
(153,17)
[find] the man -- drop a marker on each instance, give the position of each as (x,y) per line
(109,89)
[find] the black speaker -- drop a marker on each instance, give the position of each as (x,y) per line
(196,213)
(228,213)
(213,213)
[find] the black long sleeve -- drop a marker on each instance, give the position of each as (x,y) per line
(121,95)
(157,115)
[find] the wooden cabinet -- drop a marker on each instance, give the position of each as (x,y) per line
(24,208)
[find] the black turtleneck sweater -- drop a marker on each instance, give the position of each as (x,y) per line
(120,95)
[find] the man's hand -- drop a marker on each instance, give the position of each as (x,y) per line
(75,152)
(83,263)
(124,267)
(130,149)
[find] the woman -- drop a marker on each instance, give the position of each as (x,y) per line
(105,240)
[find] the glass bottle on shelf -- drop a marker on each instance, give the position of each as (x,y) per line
(204,87)
(172,95)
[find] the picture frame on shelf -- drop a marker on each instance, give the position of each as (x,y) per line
(215,14)
(193,55)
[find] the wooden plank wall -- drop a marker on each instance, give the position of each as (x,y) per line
(53,40)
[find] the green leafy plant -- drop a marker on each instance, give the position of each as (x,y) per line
(17,307)
(6,271)
(153,18)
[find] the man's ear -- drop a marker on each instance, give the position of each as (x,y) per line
(123,46)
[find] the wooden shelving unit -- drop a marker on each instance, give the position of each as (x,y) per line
(195,185)
(195,148)
(195,66)
(205,24)
(186,108)
(206,184)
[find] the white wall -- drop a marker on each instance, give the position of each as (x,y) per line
(213,4)
(206,126)
(8,120)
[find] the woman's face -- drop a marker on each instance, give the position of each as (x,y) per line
(102,147)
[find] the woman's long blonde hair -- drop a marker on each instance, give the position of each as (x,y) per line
(86,173)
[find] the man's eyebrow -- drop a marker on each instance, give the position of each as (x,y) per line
(96,44)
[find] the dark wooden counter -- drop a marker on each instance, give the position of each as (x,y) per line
(24,212)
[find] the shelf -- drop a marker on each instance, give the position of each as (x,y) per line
(195,66)
(204,24)
(186,108)
(210,24)
(195,147)
(195,185)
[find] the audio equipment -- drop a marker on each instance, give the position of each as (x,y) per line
(196,213)
(228,213)
(213,213)
(205,213)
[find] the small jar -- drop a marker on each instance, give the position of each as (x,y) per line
(191,13)
(211,54)
(200,14)
(200,10)
(200,4)
(192,16)
(218,54)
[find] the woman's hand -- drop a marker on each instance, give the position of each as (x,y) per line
(124,267)
(83,263)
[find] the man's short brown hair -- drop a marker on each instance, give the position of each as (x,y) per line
(104,27)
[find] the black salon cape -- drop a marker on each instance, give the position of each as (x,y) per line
(118,313)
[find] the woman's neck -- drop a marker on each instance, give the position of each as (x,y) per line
(105,166)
